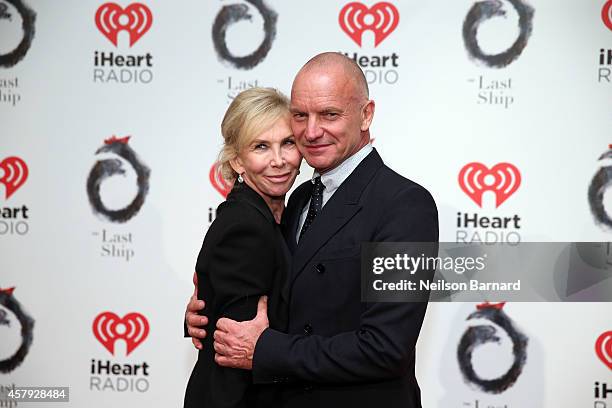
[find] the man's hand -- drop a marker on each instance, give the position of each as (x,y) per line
(235,341)
(193,320)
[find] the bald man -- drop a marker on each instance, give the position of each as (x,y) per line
(337,350)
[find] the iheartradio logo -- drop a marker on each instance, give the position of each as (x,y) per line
(133,328)
(15,174)
(356,18)
(217,180)
(503,179)
(136,19)
(603,348)
(606,14)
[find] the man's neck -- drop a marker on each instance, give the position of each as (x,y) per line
(361,145)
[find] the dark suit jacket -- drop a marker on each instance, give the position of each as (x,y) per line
(243,257)
(339,351)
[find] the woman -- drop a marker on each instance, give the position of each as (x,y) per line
(243,255)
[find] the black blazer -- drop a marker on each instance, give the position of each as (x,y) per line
(243,257)
(339,351)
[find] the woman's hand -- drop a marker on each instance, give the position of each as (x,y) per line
(193,320)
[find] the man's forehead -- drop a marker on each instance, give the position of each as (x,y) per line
(318,101)
(321,91)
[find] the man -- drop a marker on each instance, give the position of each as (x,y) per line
(338,350)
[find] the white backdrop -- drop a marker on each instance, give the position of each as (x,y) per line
(547,112)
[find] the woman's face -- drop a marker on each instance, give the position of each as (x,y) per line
(270,163)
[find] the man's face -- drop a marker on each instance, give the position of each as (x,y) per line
(327,117)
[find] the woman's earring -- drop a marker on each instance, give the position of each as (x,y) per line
(240,179)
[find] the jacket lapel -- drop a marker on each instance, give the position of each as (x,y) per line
(289,223)
(291,216)
(340,208)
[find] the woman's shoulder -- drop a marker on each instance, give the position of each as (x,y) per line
(238,215)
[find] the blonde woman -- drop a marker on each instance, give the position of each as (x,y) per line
(244,255)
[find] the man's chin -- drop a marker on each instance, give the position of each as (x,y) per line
(321,159)
(318,162)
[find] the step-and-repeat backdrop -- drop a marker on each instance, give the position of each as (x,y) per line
(109,128)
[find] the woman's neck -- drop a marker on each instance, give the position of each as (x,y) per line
(276,205)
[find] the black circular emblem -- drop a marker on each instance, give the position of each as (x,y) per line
(103,169)
(27,26)
(475,336)
(484,10)
(600,183)
(234,13)
(27,327)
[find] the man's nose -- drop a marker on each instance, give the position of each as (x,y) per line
(313,130)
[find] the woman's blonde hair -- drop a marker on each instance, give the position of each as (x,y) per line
(252,112)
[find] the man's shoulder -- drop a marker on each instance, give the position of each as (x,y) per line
(388,183)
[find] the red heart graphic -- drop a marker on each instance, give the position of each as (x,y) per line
(606,14)
(15,174)
(603,348)
(138,21)
(506,179)
(105,328)
(217,180)
(384,16)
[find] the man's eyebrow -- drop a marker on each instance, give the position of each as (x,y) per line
(331,109)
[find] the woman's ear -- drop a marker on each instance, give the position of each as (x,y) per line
(236,164)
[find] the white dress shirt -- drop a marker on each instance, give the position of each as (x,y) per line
(333,179)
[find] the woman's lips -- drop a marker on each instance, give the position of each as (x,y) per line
(280,178)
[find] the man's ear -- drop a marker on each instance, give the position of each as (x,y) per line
(367,114)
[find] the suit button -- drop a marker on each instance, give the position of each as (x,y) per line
(320,268)
(307,329)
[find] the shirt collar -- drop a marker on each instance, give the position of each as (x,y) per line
(335,177)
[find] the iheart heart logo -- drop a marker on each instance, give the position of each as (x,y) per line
(15,174)
(136,19)
(503,180)
(217,180)
(133,328)
(603,348)
(356,18)
(606,14)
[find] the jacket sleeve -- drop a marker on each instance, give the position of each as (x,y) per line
(240,271)
(242,268)
(383,345)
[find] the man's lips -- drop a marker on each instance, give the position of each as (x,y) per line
(318,147)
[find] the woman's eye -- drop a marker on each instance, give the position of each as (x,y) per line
(260,146)
(290,142)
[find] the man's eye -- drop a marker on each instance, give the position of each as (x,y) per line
(331,114)
(299,116)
